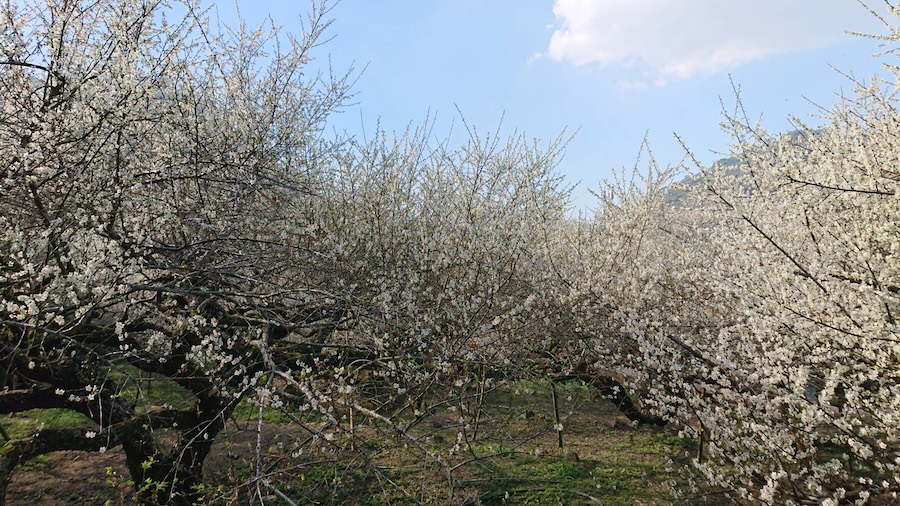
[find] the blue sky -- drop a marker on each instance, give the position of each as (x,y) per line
(610,69)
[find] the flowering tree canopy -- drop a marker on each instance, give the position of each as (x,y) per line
(170,210)
(755,305)
(155,196)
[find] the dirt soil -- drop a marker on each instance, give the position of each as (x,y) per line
(72,479)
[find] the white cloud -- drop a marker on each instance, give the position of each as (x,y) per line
(681,38)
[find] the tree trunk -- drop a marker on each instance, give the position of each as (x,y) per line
(174,477)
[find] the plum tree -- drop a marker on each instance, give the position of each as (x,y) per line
(156,175)
(758,308)
(171,212)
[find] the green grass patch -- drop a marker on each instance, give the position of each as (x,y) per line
(25,423)
(548,480)
(247,411)
(148,391)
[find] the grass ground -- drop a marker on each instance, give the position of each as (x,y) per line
(512,457)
